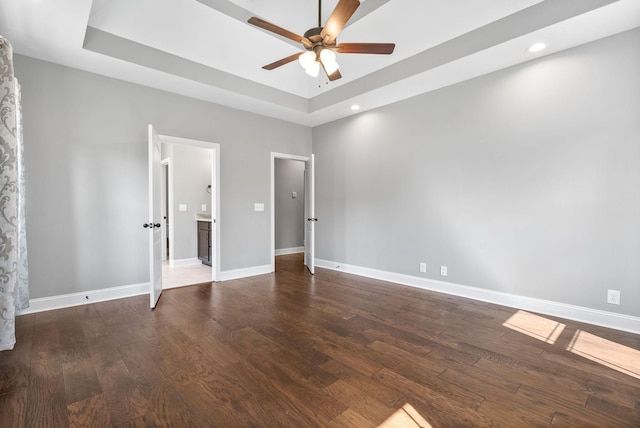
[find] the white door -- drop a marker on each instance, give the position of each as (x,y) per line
(310,216)
(155,217)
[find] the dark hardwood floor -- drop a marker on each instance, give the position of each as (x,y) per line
(332,350)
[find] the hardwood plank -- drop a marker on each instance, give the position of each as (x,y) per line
(266,405)
(80,380)
(300,391)
(46,402)
(291,340)
(377,390)
(622,415)
(14,372)
(123,398)
(211,399)
(403,362)
(166,407)
(91,411)
(141,361)
(350,418)
(73,343)
(13,407)
(478,381)
(436,408)
(359,401)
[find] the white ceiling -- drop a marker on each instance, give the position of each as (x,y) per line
(206,50)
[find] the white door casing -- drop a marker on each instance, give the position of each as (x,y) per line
(155,218)
(164,206)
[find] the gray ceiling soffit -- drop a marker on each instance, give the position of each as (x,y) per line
(533,18)
(234,11)
(117,47)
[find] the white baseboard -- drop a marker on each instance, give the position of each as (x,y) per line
(228,275)
(293,250)
(85,297)
(112,293)
(185,262)
(577,313)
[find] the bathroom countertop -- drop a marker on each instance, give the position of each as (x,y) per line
(203,217)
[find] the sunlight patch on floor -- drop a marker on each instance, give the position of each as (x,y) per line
(610,354)
(405,417)
(535,326)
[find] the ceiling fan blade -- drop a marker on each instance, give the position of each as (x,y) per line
(365,48)
(335,76)
(339,17)
(283,61)
(258,22)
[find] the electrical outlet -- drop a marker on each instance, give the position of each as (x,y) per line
(613,297)
(443,271)
(423,267)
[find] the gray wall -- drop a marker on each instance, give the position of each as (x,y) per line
(289,212)
(192,168)
(525,181)
(86,175)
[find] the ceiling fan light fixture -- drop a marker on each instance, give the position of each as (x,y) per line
(307,59)
(313,69)
(327,55)
(328,59)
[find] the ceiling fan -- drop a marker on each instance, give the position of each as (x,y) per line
(320,42)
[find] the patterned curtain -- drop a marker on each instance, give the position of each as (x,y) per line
(14,284)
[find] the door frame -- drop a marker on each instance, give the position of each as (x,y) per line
(215,196)
(167,201)
(274,156)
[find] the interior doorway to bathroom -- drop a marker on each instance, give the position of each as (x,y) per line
(189,203)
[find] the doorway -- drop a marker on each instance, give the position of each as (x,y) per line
(190,195)
(296,205)
(289,206)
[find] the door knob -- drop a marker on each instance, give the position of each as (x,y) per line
(147,225)
(157,225)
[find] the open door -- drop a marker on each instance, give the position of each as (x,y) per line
(155,218)
(310,216)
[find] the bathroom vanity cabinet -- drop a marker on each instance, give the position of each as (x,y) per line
(204,242)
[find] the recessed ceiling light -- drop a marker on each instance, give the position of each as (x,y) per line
(536,47)
(355,107)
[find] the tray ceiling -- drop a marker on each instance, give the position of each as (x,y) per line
(206,50)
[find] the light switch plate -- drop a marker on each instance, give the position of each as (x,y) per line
(258,207)
(203,207)
(294,195)
(182,207)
